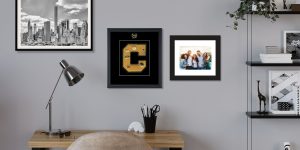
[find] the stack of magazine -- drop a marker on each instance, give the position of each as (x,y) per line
(276,58)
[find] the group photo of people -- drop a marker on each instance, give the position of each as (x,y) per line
(195,60)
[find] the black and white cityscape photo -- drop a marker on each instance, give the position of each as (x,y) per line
(54,24)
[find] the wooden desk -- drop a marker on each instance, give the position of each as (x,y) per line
(161,139)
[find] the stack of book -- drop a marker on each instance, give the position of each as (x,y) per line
(273,50)
(276,58)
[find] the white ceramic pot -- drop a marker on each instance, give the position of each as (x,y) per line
(254,7)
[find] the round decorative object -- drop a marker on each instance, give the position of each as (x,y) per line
(287,146)
(136,127)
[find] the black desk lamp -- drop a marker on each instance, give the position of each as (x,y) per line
(73,76)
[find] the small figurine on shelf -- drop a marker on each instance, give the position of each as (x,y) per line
(262,99)
(284,4)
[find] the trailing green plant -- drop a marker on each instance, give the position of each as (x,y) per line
(264,8)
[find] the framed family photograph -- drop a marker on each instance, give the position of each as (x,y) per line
(134,58)
(292,43)
(284,92)
(195,57)
(54,25)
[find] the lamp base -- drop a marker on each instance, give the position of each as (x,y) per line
(58,132)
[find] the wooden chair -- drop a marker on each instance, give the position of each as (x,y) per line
(109,141)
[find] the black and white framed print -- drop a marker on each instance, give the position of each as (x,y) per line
(134,58)
(284,92)
(292,43)
(54,25)
(195,57)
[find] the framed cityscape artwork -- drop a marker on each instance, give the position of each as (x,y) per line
(195,57)
(134,58)
(54,25)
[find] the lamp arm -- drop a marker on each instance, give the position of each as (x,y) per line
(51,97)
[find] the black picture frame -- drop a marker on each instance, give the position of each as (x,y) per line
(119,39)
(216,38)
(48,49)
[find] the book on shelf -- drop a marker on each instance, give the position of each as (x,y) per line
(289,56)
(273,50)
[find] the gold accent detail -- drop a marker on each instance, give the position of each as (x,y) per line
(134,35)
(141,50)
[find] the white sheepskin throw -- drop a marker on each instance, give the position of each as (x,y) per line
(109,141)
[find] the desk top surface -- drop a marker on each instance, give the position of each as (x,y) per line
(160,139)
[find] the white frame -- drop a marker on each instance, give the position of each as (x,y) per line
(284,38)
(19,47)
(295,102)
(196,43)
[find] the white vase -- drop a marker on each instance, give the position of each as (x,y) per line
(254,7)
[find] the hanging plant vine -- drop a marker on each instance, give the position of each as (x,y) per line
(264,8)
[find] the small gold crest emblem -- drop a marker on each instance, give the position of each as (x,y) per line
(134,35)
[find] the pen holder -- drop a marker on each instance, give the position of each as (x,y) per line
(150,123)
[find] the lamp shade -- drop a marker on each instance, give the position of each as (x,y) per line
(72,74)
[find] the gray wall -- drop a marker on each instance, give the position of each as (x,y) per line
(209,114)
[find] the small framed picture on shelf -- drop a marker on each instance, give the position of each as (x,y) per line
(284,92)
(195,57)
(134,57)
(291,43)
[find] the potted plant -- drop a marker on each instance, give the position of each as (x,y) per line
(264,8)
